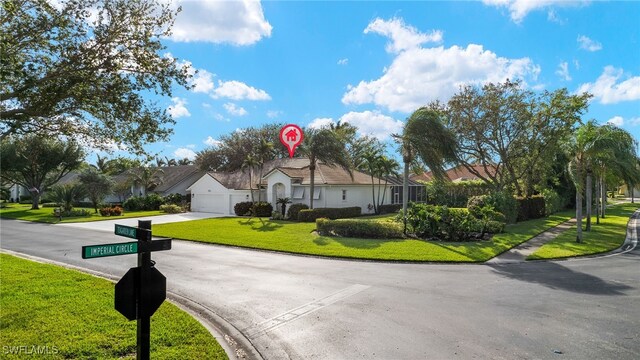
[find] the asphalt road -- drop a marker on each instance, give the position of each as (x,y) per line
(311,308)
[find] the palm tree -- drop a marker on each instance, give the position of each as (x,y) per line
(160,162)
(147,177)
(387,167)
(371,164)
(67,195)
(425,137)
(283,203)
(185,161)
(103,164)
(264,153)
(249,163)
(323,145)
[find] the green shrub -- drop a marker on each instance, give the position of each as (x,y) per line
(277,215)
(263,209)
(530,208)
(133,203)
(175,199)
(242,208)
(76,212)
(310,215)
(50,205)
(554,202)
(358,228)
(454,194)
(152,201)
(389,208)
(504,203)
(294,209)
(26,199)
(171,208)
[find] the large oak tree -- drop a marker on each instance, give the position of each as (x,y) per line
(85,69)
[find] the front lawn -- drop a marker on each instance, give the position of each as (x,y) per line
(70,315)
(606,236)
(299,238)
(45,215)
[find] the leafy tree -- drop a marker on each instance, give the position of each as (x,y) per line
(146,177)
(512,132)
(323,145)
(96,185)
(233,148)
(425,139)
(121,164)
(122,189)
(67,195)
(82,69)
(37,162)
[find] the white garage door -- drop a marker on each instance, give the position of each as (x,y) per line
(209,203)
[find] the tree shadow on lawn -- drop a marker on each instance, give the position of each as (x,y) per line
(355,243)
(556,276)
(260,225)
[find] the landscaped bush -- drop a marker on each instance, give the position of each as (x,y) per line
(50,205)
(175,199)
(171,208)
(76,212)
(242,208)
(294,209)
(389,208)
(111,211)
(531,208)
(310,215)
(554,202)
(453,224)
(276,215)
(263,209)
(149,202)
(454,194)
(358,228)
(504,203)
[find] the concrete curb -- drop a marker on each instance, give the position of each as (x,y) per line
(234,343)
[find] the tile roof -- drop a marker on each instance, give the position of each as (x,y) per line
(458,173)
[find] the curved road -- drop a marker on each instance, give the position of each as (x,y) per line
(310,308)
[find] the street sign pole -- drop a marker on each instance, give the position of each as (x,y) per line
(144,318)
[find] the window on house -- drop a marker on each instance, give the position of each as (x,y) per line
(298,192)
(316,194)
(344,195)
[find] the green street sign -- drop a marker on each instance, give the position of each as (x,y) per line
(133,232)
(94,251)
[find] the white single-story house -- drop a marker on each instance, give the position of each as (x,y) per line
(334,187)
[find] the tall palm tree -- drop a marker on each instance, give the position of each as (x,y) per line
(387,167)
(264,153)
(103,164)
(323,145)
(371,164)
(184,161)
(425,138)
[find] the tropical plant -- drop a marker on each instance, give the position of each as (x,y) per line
(249,163)
(323,146)
(67,195)
(425,139)
(96,185)
(264,152)
(283,204)
(146,177)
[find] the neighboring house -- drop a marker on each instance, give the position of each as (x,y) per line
(624,190)
(334,187)
(175,180)
(459,173)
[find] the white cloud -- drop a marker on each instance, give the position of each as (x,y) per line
(420,75)
(402,36)
(191,146)
(238,22)
(178,109)
(212,142)
(616,120)
(272,114)
(202,81)
(518,9)
(588,44)
(237,90)
(319,123)
(344,61)
(373,123)
(634,121)
(609,91)
(234,109)
(184,153)
(563,71)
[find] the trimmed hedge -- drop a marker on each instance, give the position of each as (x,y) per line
(263,209)
(452,224)
(171,208)
(359,228)
(310,215)
(111,211)
(294,210)
(531,208)
(151,201)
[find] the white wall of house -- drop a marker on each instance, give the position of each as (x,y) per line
(208,195)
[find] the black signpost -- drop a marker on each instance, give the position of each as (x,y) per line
(142,289)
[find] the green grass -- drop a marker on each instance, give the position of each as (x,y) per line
(298,238)
(72,314)
(45,215)
(603,237)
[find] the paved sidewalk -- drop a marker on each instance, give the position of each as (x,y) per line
(108,225)
(519,253)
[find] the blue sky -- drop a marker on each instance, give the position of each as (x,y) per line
(373,63)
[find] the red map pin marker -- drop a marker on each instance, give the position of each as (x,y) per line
(291,136)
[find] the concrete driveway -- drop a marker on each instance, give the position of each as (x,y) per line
(108,225)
